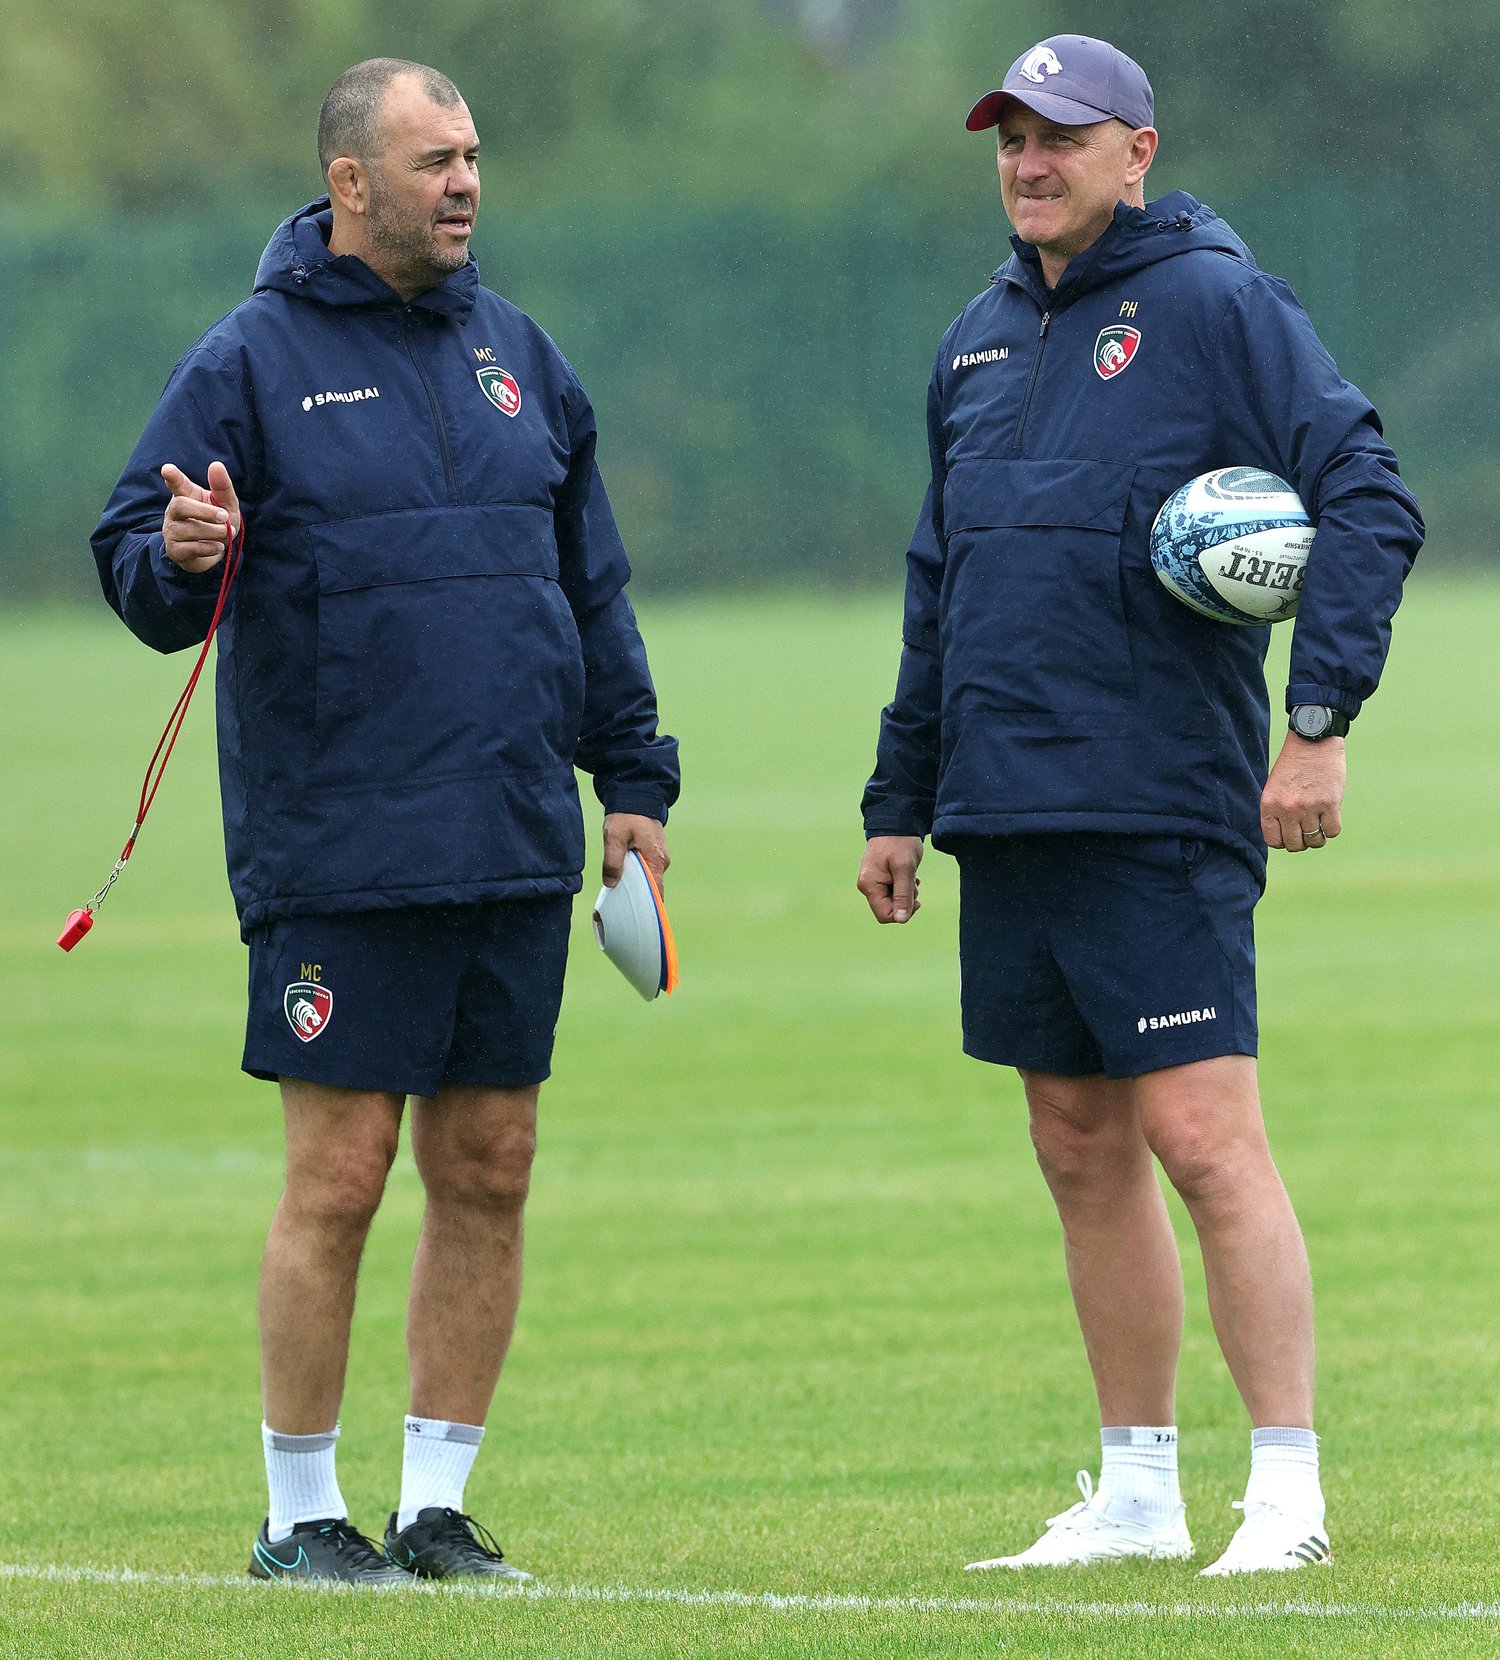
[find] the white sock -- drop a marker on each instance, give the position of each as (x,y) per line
(1284,1472)
(1138,1480)
(435,1464)
(300,1474)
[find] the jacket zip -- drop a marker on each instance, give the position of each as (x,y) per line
(1036,365)
(432,403)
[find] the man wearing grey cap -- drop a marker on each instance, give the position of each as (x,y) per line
(1095,755)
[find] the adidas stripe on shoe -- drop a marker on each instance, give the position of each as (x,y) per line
(1270,1540)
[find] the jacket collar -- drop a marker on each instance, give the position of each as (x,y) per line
(297,261)
(1133,239)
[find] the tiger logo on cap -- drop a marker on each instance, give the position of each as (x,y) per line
(1041,61)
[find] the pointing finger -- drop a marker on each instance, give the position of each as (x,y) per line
(181,485)
(221,487)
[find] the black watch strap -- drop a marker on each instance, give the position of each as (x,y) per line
(1316,720)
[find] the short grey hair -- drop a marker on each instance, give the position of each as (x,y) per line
(347,122)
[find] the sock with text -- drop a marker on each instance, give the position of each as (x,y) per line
(435,1464)
(1138,1477)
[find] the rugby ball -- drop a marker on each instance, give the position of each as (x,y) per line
(1233,545)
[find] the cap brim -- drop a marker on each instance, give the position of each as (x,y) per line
(1064,111)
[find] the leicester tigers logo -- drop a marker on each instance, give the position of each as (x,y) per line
(308,1009)
(500,388)
(1114,349)
(1040,62)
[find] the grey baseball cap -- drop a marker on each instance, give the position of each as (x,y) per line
(1073,80)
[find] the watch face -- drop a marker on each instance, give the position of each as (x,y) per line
(1312,720)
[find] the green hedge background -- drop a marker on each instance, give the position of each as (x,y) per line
(747,227)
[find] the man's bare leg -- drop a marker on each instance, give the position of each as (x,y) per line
(339,1148)
(1203,1121)
(1126,1279)
(1123,1266)
(473,1149)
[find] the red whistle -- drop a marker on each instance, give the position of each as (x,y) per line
(80,921)
(77,925)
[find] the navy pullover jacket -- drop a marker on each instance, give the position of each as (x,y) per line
(1048,679)
(430,626)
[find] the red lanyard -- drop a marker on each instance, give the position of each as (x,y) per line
(79,923)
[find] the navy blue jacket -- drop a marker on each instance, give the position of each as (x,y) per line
(430,627)
(1048,680)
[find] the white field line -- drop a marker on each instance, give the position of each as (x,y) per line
(779,1602)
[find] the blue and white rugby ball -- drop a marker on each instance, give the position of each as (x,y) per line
(1233,544)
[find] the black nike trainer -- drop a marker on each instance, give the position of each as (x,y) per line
(443,1544)
(332,1550)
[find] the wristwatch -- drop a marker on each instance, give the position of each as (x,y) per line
(1315,721)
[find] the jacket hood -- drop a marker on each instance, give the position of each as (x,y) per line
(297,262)
(1137,237)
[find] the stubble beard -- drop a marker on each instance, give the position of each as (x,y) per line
(405,246)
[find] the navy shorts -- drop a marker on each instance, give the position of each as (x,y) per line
(1085,953)
(409,1000)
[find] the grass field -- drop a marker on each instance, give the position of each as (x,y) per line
(795,1343)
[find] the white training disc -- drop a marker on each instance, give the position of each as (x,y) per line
(632,930)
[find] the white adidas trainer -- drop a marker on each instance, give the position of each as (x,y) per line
(1085,1534)
(1271,1540)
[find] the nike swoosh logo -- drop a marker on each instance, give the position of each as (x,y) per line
(274,1565)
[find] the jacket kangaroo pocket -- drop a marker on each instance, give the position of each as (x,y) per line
(445,647)
(1032,615)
